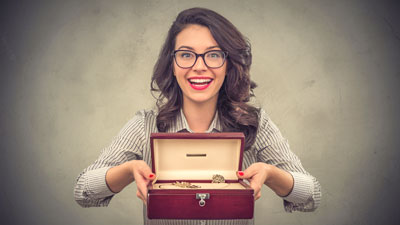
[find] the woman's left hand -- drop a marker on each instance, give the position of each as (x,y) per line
(256,174)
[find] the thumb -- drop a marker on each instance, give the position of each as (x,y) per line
(147,174)
(247,174)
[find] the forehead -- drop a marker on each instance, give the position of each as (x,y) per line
(196,36)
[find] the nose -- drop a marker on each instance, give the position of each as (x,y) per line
(200,64)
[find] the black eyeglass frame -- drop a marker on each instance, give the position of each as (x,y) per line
(202,56)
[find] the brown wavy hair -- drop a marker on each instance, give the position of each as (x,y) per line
(234,111)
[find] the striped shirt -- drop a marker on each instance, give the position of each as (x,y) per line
(133,143)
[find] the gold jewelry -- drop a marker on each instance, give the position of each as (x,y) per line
(178,184)
(218,179)
(185,185)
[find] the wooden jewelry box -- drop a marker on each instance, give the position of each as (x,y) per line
(186,165)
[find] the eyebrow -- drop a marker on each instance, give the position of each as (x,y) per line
(188,47)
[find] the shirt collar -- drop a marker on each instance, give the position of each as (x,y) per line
(181,124)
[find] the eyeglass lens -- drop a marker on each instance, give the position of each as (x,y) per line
(212,59)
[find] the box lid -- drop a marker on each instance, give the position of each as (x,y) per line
(196,156)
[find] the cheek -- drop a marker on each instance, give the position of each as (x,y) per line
(222,73)
(179,73)
(225,67)
(177,70)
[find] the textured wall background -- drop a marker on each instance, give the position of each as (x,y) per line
(74,72)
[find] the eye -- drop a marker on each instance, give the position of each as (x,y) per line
(214,55)
(185,55)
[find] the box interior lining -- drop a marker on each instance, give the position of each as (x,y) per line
(159,186)
(196,159)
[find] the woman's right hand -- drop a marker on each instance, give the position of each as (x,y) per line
(119,177)
(143,176)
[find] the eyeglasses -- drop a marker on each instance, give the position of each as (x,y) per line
(213,59)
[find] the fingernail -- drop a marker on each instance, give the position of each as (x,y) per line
(240,173)
(151,175)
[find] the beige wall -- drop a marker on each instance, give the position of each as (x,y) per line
(73,73)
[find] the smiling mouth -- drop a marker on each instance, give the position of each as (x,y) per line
(200,83)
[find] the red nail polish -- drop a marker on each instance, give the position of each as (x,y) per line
(151,175)
(240,173)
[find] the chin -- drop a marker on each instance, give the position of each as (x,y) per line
(201,99)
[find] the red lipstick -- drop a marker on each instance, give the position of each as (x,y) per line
(200,83)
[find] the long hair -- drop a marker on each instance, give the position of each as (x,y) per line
(234,112)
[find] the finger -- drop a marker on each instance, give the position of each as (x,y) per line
(139,195)
(247,174)
(145,171)
(141,184)
(257,190)
(142,188)
(143,177)
(256,186)
(257,196)
(256,181)
(142,192)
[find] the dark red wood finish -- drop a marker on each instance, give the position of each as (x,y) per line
(182,204)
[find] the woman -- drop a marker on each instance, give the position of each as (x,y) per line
(202,74)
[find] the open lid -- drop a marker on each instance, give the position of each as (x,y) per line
(196,156)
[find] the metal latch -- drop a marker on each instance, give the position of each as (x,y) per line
(202,196)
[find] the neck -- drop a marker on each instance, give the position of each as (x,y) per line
(199,116)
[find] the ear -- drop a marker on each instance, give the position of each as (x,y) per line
(173,69)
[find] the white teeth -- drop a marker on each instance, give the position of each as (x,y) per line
(200,80)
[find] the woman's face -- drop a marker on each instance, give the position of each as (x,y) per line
(199,84)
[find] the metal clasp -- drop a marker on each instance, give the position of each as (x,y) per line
(202,196)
